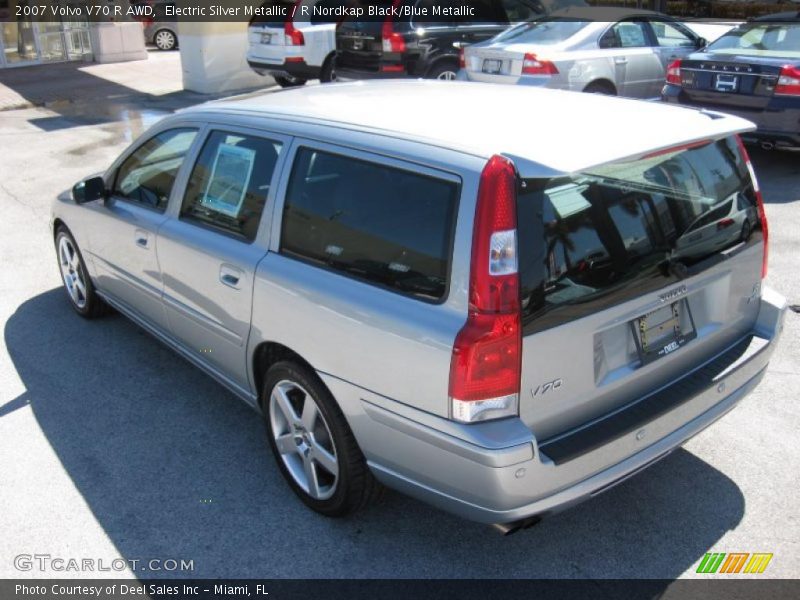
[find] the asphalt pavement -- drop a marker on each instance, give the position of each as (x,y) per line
(114,447)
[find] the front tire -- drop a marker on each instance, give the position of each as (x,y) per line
(288,81)
(445,71)
(77,283)
(313,444)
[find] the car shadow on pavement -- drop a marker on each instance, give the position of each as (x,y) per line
(174,466)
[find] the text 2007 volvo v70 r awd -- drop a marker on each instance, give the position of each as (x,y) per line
(463,305)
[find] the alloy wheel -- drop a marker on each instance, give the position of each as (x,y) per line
(72,272)
(303,439)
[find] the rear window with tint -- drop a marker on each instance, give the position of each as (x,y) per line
(761,39)
(601,237)
(542,32)
(379,224)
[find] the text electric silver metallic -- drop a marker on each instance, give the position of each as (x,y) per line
(452,301)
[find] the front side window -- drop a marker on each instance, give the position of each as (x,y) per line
(228,187)
(592,240)
(671,35)
(147,176)
(380,224)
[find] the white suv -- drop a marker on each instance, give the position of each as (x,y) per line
(295,44)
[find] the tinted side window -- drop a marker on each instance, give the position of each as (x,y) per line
(229,184)
(147,176)
(373,222)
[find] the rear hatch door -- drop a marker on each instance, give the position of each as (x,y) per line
(632,275)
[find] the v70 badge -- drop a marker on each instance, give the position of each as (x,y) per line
(541,390)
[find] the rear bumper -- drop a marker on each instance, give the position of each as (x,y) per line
(778,123)
(498,472)
(299,69)
(349,74)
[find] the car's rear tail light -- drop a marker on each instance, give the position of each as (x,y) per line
(294,37)
(674,72)
(788,81)
(762,214)
(392,41)
(485,368)
(531,65)
(462,61)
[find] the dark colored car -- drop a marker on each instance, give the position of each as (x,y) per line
(412,45)
(752,71)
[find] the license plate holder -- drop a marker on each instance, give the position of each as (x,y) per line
(492,66)
(724,82)
(663,331)
(266,38)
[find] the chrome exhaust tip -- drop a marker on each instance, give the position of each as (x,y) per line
(515,526)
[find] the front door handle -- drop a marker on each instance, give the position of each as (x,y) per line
(141,237)
(621,61)
(230,276)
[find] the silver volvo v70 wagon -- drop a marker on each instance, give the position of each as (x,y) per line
(420,286)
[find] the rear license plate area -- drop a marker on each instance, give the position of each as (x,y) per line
(492,66)
(663,331)
(266,38)
(726,83)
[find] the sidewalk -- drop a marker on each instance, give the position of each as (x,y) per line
(155,80)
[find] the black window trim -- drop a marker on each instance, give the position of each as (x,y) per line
(369,156)
(177,186)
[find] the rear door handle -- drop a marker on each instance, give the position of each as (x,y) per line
(142,238)
(621,61)
(230,276)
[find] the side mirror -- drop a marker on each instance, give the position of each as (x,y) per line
(89,190)
(701,43)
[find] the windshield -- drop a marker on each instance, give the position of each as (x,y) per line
(761,39)
(542,32)
(595,238)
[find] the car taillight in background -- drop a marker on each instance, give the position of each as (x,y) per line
(485,367)
(462,61)
(531,65)
(762,214)
(294,37)
(674,72)
(788,81)
(392,41)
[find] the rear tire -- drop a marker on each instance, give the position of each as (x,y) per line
(77,283)
(288,82)
(600,87)
(313,444)
(746,231)
(328,73)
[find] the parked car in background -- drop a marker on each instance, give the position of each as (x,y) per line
(426,47)
(418,286)
(160,29)
(602,50)
(752,71)
(296,48)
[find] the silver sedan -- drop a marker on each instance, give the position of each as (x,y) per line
(604,50)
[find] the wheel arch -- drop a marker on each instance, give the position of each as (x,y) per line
(603,82)
(267,354)
(442,59)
